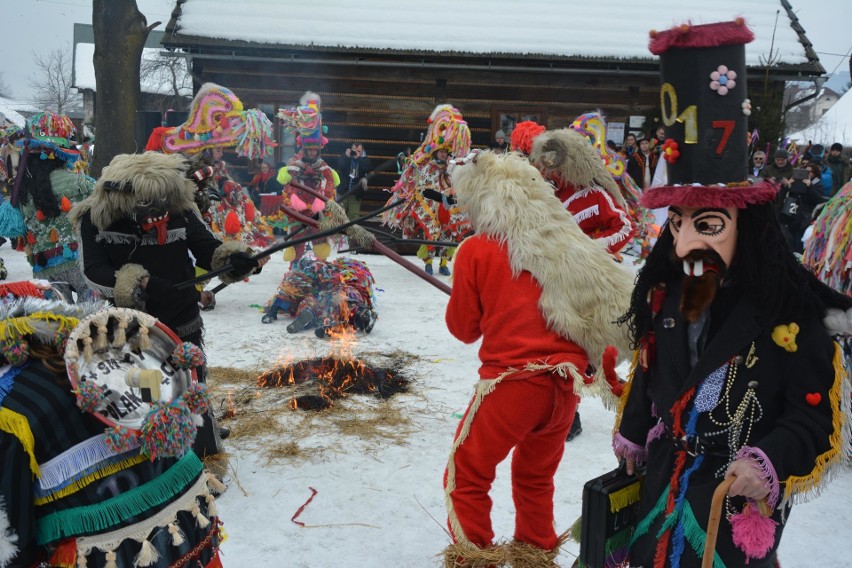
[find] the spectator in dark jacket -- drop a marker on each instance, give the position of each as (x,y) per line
(260,183)
(353,168)
(841,168)
(808,193)
(780,172)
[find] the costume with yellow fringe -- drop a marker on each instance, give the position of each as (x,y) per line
(430,211)
(306,120)
(70,495)
(753,377)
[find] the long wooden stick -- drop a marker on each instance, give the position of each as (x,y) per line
(713,522)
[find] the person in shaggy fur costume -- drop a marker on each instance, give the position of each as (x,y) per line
(137,231)
(527,251)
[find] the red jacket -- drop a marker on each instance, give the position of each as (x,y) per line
(488,302)
(597,215)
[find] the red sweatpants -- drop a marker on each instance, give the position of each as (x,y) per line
(533,416)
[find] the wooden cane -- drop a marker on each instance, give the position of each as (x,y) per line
(713,522)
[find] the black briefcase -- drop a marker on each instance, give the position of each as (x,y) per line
(610,513)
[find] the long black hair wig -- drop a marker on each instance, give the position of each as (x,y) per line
(36,185)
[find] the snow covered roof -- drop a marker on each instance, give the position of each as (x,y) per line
(612,29)
(12,109)
(834,126)
(156,76)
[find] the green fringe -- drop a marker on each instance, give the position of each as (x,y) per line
(644,525)
(695,535)
(625,497)
(575,531)
(104,516)
(618,541)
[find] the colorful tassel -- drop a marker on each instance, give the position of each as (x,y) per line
(177,535)
(16,351)
(147,556)
(251,212)
(65,555)
(187,355)
(753,533)
(168,430)
(120,439)
(89,395)
(53,236)
(12,222)
(232,224)
(196,398)
(65,204)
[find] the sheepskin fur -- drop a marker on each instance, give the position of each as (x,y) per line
(151,175)
(8,538)
(584,291)
(567,155)
(222,257)
(127,292)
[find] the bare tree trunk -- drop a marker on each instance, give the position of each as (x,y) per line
(120,32)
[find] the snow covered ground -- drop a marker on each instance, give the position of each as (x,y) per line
(380,503)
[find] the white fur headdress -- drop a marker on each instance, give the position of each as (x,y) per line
(569,155)
(584,291)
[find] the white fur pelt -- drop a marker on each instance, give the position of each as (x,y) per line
(8,538)
(569,155)
(151,175)
(584,291)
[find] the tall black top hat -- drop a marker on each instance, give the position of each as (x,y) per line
(705,112)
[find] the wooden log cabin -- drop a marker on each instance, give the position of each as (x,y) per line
(380,73)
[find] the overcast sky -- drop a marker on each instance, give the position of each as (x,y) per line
(48,24)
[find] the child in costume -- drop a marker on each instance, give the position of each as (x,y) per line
(737,375)
(309,169)
(430,211)
(528,253)
(48,190)
(72,493)
(325,295)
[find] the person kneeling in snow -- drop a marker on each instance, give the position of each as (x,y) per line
(325,295)
(522,284)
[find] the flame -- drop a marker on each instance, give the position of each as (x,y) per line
(232,408)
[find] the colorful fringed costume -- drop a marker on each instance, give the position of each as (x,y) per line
(430,211)
(737,373)
(828,252)
(325,294)
(235,218)
(48,191)
(307,168)
(70,498)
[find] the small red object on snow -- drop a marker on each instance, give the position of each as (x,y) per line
(302,508)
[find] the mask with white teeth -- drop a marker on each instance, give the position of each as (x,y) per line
(704,244)
(154,216)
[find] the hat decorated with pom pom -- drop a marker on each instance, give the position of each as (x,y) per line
(705,111)
(523,136)
(50,135)
(133,373)
(306,120)
(447,131)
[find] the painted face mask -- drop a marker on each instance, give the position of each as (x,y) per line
(704,244)
(154,216)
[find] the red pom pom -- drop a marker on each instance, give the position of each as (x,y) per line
(232,224)
(523,136)
(250,211)
(40,215)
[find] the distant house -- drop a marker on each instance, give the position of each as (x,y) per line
(381,71)
(824,101)
(164,82)
(16,112)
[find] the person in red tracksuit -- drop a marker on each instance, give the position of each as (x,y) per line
(506,292)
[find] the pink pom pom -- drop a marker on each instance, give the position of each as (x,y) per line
(714,85)
(732,74)
(731,84)
(722,69)
(196,398)
(722,90)
(715,75)
(753,533)
(188,355)
(297,203)
(317,206)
